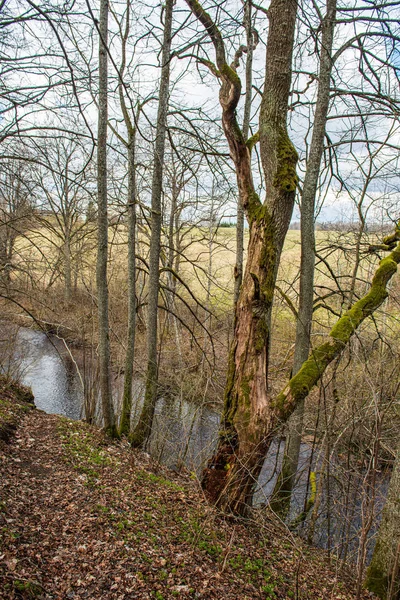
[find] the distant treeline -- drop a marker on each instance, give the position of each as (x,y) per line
(346,226)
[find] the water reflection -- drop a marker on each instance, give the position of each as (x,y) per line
(43,364)
(185,434)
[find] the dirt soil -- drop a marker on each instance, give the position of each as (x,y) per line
(81,517)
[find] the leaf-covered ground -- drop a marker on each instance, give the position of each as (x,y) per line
(81,517)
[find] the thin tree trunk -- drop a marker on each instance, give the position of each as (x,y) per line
(171,241)
(143,428)
(101,273)
(245,130)
(281,498)
(67,269)
(67,239)
(125,422)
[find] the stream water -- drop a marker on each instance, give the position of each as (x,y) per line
(184,435)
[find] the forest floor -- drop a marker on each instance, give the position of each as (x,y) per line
(82,517)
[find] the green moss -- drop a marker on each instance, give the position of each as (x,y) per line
(344,328)
(245,388)
(256,210)
(83,449)
(280,402)
(157,479)
(311,370)
(232,76)
(261,335)
(29,588)
(286,177)
(252,141)
(377,581)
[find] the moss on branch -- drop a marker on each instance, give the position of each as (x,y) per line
(252,141)
(312,369)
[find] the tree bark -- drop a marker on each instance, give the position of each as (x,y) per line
(143,428)
(125,422)
(102,220)
(383,575)
(248,415)
(281,498)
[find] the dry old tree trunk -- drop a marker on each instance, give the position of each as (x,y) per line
(248,416)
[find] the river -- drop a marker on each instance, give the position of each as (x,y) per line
(184,435)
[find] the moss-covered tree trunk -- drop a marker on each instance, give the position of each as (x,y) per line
(248,416)
(383,575)
(281,498)
(322,356)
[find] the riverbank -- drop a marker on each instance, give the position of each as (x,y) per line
(82,517)
(15,401)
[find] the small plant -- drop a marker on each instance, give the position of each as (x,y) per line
(31,589)
(268,589)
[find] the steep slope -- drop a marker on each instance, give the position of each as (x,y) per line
(83,518)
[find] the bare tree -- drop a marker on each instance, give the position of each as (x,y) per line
(17,192)
(102,222)
(143,427)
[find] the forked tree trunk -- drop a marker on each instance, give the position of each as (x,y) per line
(249,416)
(282,494)
(143,428)
(102,219)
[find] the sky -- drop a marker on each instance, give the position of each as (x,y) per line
(196,88)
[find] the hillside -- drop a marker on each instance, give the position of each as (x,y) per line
(85,518)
